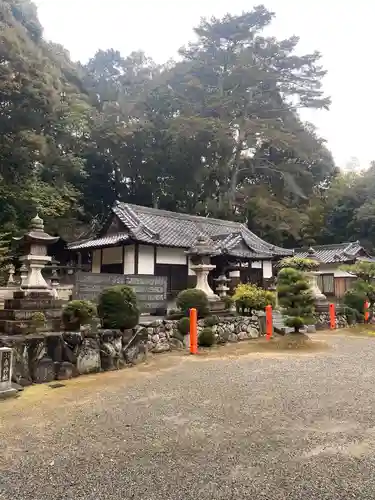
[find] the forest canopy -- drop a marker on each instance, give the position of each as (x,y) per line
(217,133)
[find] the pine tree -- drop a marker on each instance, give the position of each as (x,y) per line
(295,298)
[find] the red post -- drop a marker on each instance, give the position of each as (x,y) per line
(332,316)
(193,331)
(367,312)
(269,322)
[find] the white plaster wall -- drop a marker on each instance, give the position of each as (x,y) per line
(112,255)
(256,264)
(96,261)
(129,259)
(146,259)
(267,269)
(235,274)
(166,255)
(190,271)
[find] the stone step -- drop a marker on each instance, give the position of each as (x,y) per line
(33,304)
(27,314)
(24,327)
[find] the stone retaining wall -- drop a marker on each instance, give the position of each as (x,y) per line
(163,335)
(324,322)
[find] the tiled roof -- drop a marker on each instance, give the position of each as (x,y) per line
(171,229)
(329,254)
(112,239)
(161,227)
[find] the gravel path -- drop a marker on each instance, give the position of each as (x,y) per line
(257,427)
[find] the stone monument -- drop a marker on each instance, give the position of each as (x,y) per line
(6,367)
(34,294)
(34,243)
(200,254)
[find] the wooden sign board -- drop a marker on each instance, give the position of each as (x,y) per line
(151,291)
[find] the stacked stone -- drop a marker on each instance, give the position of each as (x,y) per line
(323,321)
(163,335)
(61,356)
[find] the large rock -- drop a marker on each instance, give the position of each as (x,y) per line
(44,371)
(88,358)
(64,371)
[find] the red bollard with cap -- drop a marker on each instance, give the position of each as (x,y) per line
(332,316)
(193,331)
(269,322)
(367,312)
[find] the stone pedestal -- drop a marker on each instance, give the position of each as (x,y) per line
(319,297)
(17,316)
(6,367)
(202,271)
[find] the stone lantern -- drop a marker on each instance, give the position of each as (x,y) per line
(200,254)
(34,244)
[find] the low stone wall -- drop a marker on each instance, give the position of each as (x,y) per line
(163,335)
(323,321)
(43,358)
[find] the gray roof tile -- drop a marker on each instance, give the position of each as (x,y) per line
(330,254)
(161,227)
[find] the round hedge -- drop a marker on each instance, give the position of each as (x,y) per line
(193,298)
(183,326)
(118,308)
(77,313)
(206,338)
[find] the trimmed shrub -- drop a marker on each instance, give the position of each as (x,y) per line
(299,263)
(183,326)
(206,338)
(354,301)
(38,320)
(211,321)
(295,298)
(118,308)
(193,298)
(249,298)
(77,313)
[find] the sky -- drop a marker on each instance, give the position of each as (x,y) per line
(340,30)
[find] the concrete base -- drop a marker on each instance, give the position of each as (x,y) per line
(8,393)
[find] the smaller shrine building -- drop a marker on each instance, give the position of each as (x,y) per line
(147,241)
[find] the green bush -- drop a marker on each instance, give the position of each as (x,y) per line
(249,298)
(118,308)
(211,321)
(77,313)
(183,326)
(354,301)
(206,338)
(38,320)
(299,263)
(228,301)
(193,298)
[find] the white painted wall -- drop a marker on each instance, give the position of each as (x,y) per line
(96,261)
(256,264)
(129,259)
(166,255)
(190,271)
(146,260)
(235,274)
(267,269)
(112,255)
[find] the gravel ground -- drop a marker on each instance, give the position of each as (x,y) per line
(259,426)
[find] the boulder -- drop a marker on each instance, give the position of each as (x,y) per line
(88,357)
(44,371)
(64,371)
(161,347)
